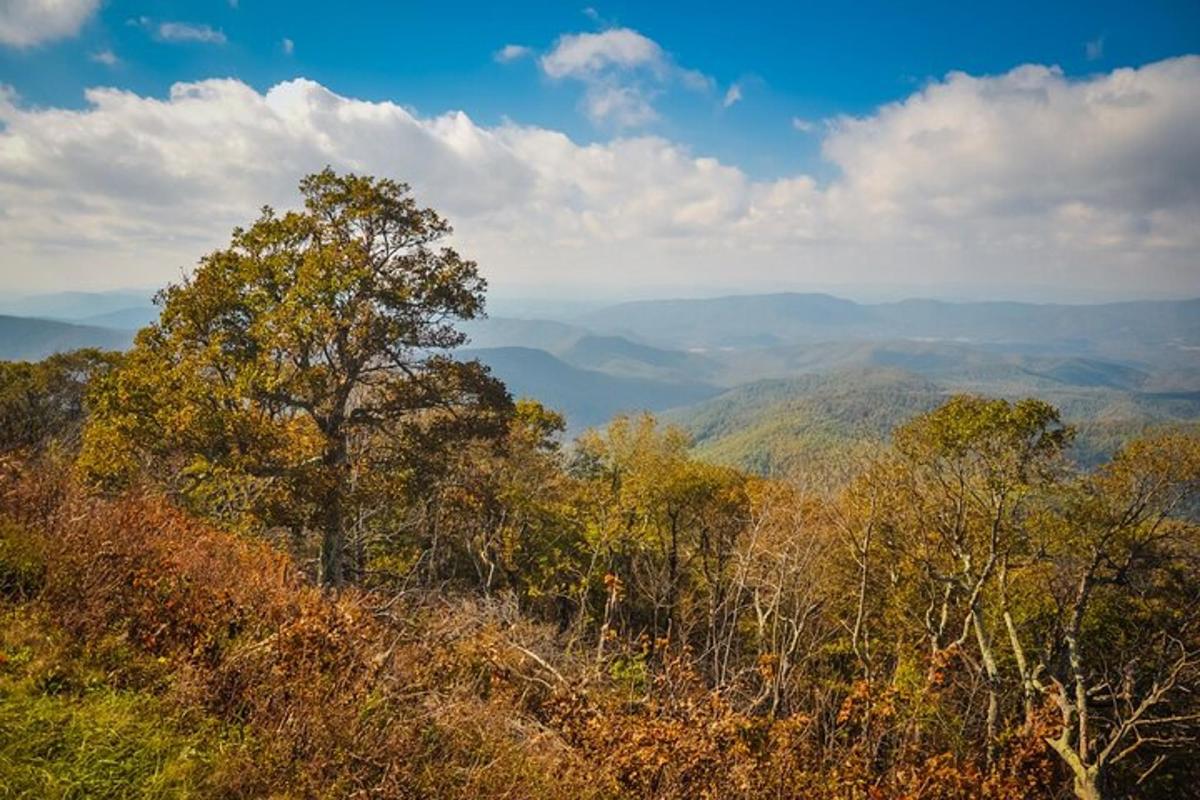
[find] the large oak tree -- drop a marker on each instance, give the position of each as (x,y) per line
(315,335)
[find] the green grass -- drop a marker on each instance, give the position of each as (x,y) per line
(67,731)
(100,744)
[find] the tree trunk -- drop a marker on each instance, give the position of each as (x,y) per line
(673,569)
(1087,786)
(1086,777)
(333,544)
(992,674)
(333,536)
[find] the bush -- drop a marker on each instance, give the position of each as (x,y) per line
(22,565)
(65,732)
(337,700)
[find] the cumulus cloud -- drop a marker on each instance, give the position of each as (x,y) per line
(1030,175)
(1030,159)
(106,57)
(24,23)
(622,70)
(803,125)
(586,55)
(511,52)
(732,95)
(288,46)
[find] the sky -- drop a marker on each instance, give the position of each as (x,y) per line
(978,151)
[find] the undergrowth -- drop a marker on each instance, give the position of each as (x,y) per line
(68,731)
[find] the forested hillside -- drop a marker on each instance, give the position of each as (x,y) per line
(298,541)
(774,427)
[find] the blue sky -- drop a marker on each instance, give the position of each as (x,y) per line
(767,91)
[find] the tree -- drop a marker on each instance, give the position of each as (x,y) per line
(282,350)
(495,514)
(1122,661)
(969,468)
(43,402)
(660,524)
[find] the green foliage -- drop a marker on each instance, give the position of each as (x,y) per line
(657,521)
(43,402)
(990,429)
(312,331)
(22,563)
(66,733)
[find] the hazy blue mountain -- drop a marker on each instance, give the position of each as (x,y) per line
(736,321)
(552,308)
(617,355)
(1159,328)
(75,306)
(587,397)
(1157,321)
(124,318)
(1091,372)
(24,339)
(510,332)
(964,364)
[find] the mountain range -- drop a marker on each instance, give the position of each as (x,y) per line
(767,381)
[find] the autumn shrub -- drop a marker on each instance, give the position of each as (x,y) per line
(337,698)
(22,567)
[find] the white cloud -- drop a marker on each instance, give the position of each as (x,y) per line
(511,52)
(288,46)
(622,71)
(1032,160)
(24,23)
(586,55)
(803,125)
(1094,50)
(732,95)
(188,32)
(626,106)
(1028,175)
(106,57)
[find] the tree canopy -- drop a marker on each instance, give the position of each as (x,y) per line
(311,330)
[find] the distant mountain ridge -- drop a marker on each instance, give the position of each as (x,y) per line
(28,339)
(770,380)
(763,320)
(588,396)
(72,306)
